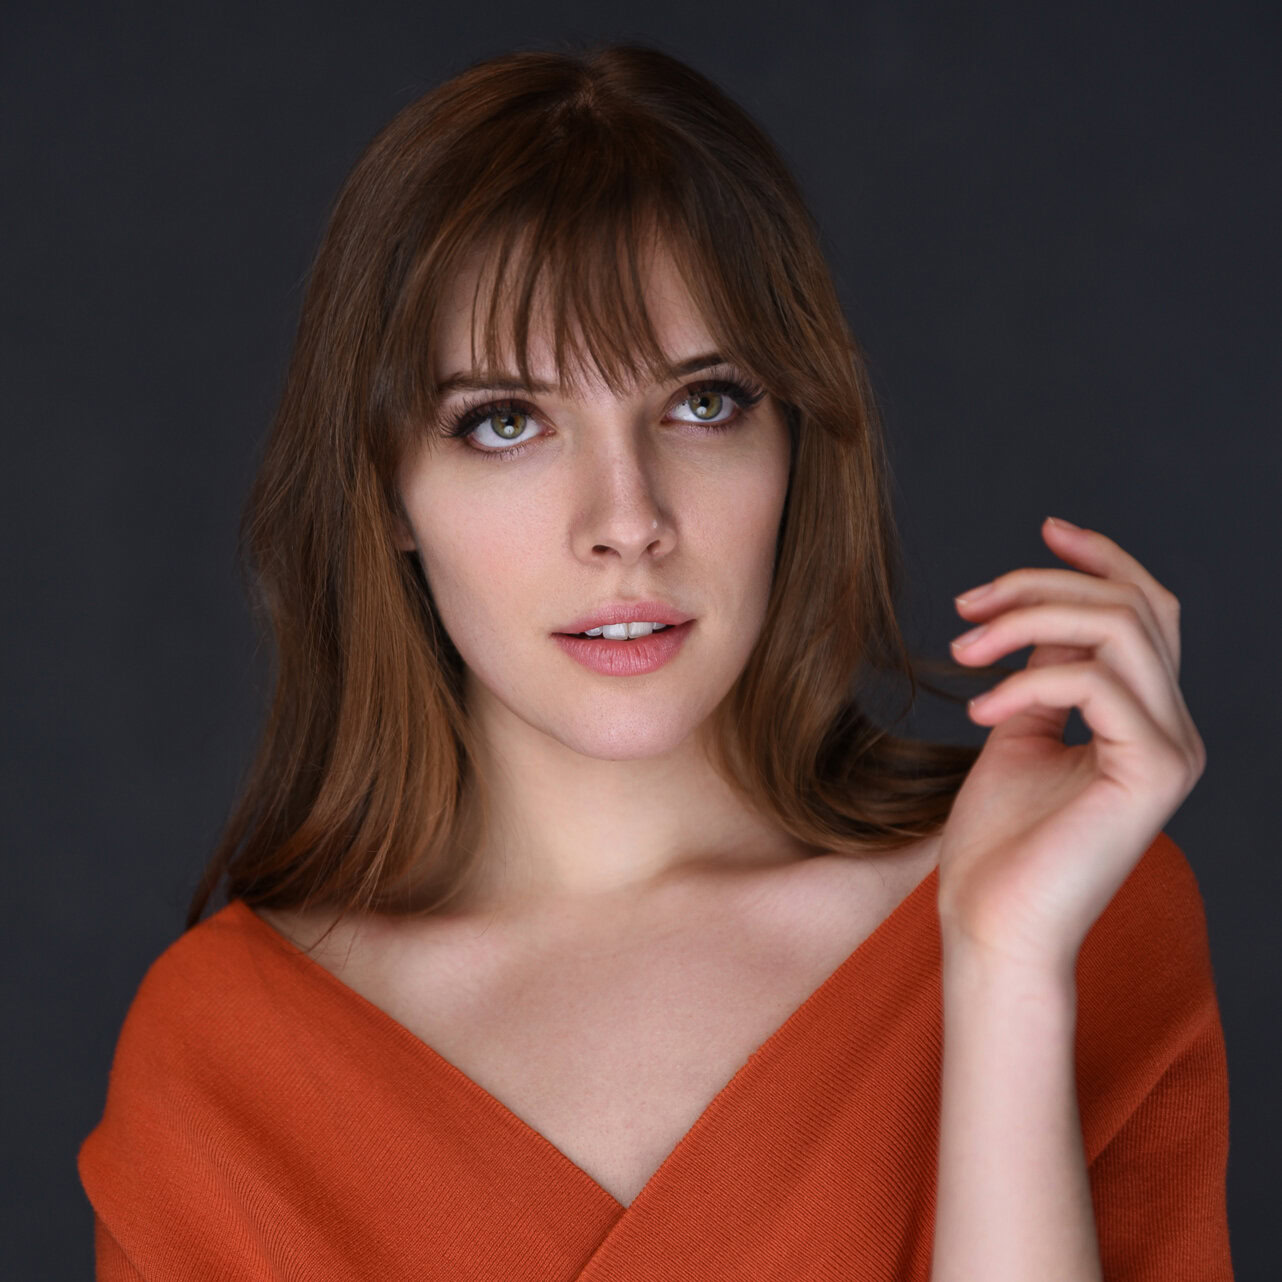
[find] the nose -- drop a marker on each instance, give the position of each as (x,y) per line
(625,508)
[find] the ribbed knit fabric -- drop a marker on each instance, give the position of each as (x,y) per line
(263,1120)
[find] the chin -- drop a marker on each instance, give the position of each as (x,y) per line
(598,734)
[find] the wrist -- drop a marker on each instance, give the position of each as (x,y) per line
(978,975)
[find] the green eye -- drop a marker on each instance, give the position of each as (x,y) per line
(705,404)
(510,429)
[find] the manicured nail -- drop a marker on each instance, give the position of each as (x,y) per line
(1063,524)
(974,594)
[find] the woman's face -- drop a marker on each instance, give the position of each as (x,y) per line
(612,499)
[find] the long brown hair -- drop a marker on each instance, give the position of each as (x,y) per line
(559,168)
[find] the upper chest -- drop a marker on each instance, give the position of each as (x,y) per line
(611,1040)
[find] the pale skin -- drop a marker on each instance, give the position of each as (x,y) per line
(636,932)
(1040,838)
(613,832)
(600,784)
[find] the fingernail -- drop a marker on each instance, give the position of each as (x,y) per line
(967,638)
(1059,520)
(974,594)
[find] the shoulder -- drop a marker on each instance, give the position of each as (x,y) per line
(1145,984)
(186,1025)
(177,1076)
(192,992)
(1155,927)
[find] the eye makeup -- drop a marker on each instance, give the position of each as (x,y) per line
(744,392)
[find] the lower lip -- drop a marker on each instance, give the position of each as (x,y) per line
(626,658)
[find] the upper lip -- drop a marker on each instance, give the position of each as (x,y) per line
(627,612)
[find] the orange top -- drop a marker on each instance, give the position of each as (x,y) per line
(263,1120)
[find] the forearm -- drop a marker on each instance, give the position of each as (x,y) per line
(1013,1198)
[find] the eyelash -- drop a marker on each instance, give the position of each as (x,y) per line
(745,394)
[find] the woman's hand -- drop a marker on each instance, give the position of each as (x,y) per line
(1042,835)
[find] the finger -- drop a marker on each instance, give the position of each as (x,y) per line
(1132,748)
(1029,586)
(1113,633)
(1097,554)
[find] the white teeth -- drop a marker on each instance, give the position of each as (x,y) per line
(624,631)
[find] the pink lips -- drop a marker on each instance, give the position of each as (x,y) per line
(626,658)
(627,612)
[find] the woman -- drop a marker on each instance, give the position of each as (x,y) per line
(581,923)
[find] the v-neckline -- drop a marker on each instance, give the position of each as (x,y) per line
(823,998)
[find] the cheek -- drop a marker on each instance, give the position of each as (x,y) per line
(739,522)
(476,557)
(485,552)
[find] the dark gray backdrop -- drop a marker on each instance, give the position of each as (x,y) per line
(1055,230)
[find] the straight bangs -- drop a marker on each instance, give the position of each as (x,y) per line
(553,177)
(559,245)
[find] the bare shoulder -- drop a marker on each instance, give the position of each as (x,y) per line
(824,903)
(848,895)
(876,881)
(351,946)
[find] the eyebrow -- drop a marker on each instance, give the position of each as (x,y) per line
(499,381)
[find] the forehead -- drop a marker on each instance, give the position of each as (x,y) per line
(464,312)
